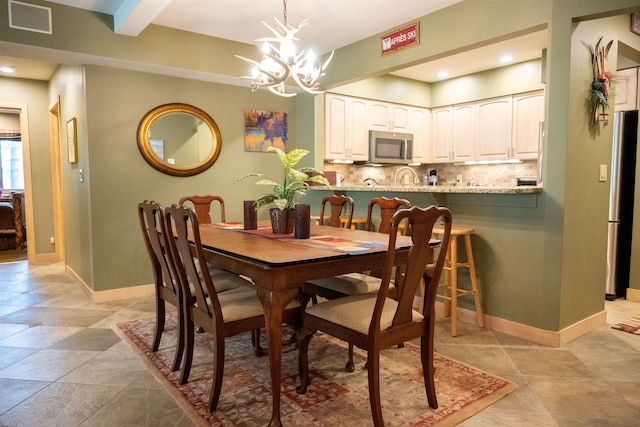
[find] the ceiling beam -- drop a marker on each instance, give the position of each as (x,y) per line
(133,16)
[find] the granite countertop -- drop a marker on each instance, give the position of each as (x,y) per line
(436,189)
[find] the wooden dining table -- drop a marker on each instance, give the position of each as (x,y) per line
(279,265)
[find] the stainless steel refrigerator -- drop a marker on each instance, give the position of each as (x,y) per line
(623,167)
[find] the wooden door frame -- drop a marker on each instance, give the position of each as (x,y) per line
(57,189)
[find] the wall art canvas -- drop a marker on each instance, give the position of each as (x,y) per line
(263,129)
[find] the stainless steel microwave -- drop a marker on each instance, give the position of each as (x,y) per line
(390,147)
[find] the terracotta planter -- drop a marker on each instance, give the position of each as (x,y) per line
(282,221)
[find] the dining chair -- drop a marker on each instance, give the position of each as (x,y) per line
(166,286)
(374,321)
(222,314)
(336,206)
(386,207)
(357,283)
(164,271)
(202,206)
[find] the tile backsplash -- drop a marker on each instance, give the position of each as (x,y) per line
(496,175)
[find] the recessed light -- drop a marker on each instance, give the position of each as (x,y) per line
(443,74)
(7,69)
(506,58)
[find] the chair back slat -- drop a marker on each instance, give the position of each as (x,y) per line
(191,265)
(337,204)
(202,206)
(155,239)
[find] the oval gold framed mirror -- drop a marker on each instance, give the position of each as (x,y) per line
(179,139)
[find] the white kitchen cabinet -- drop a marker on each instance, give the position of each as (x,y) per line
(388,117)
(528,113)
(442,134)
(626,88)
(420,127)
(454,133)
(494,121)
(346,128)
(464,132)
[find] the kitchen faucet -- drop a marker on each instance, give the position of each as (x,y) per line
(371,179)
(416,180)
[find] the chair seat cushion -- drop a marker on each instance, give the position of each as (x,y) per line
(349,284)
(225,280)
(243,303)
(354,312)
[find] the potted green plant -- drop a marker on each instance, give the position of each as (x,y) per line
(283,196)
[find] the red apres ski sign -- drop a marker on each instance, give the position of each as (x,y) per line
(399,39)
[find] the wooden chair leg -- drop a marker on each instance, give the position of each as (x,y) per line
(428,371)
(177,358)
(447,280)
(255,341)
(160,316)
(188,356)
(474,280)
(218,373)
(350,367)
(373,369)
(453,250)
(304,337)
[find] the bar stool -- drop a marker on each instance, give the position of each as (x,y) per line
(451,266)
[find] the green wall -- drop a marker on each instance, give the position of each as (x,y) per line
(119,177)
(67,84)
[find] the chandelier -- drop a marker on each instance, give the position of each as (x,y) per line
(280,61)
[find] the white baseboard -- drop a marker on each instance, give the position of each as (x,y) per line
(633,294)
(530,333)
(43,259)
(111,294)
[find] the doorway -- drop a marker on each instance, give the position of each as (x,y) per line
(28,220)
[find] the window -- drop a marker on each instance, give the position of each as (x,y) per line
(11,164)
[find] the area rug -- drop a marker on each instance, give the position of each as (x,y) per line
(631,325)
(334,397)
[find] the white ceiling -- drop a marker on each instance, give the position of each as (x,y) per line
(332,24)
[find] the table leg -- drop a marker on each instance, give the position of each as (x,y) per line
(274,303)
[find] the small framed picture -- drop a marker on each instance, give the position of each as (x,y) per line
(72,143)
(635,23)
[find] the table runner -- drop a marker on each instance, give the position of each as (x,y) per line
(336,244)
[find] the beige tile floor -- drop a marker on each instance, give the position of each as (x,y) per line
(62,365)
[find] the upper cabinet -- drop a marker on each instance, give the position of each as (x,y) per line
(493,132)
(388,117)
(442,134)
(493,129)
(464,138)
(420,127)
(626,87)
(503,128)
(348,121)
(528,115)
(346,128)
(453,134)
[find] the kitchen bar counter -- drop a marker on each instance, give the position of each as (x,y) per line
(435,189)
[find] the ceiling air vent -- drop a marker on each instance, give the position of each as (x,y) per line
(29,17)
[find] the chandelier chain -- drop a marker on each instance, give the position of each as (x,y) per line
(284,11)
